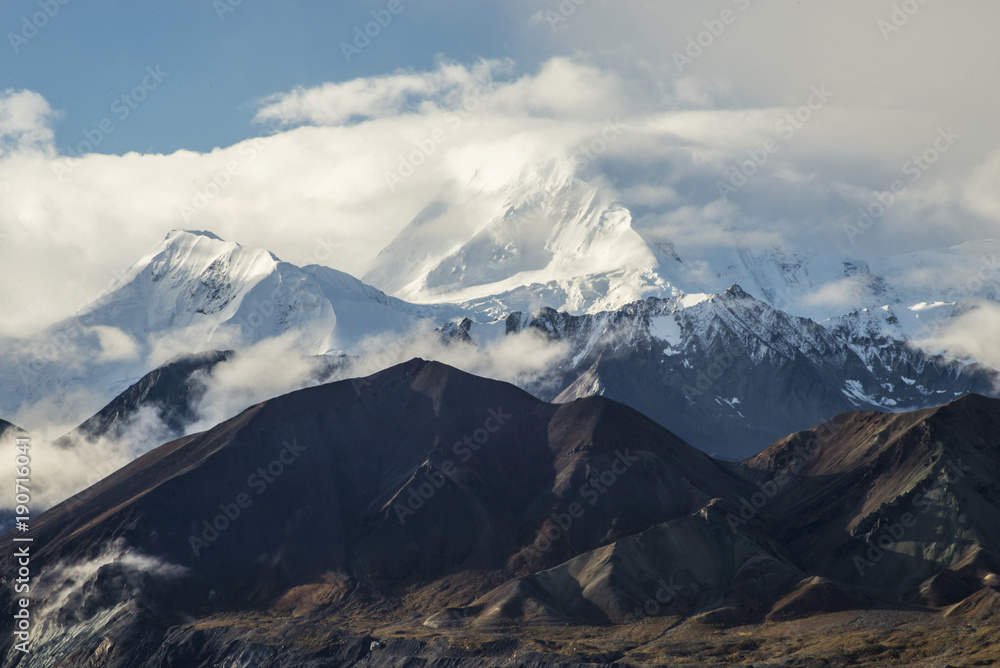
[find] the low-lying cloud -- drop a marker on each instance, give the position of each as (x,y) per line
(969,336)
(65,462)
(268,369)
(527,359)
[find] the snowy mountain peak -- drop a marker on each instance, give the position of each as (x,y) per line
(223,289)
(544,238)
(194,292)
(199,233)
(187,274)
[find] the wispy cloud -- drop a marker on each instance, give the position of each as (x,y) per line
(380,96)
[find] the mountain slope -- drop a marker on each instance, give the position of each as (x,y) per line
(171,391)
(893,500)
(469,476)
(424,498)
(694,564)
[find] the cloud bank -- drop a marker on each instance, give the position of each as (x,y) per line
(315,189)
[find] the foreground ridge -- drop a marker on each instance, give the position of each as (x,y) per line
(426,512)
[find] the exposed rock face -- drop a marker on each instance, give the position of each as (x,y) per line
(730,374)
(172,390)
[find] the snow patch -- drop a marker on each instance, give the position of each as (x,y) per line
(687,301)
(665,328)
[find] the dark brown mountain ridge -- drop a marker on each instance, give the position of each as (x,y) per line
(436,502)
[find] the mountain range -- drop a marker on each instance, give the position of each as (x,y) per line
(728,371)
(426,514)
(624,450)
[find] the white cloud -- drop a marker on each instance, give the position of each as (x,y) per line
(840,294)
(194,338)
(981,190)
(527,359)
(319,193)
(970,335)
(59,589)
(379,97)
(269,369)
(25,122)
(115,344)
(563,88)
(61,470)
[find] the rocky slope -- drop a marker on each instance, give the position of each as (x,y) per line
(454,514)
(906,502)
(730,374)
(172,391)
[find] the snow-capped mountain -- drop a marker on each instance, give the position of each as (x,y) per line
(547,238)
(195,292)
(731,374)
(727,371)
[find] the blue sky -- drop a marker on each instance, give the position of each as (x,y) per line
(90,53)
